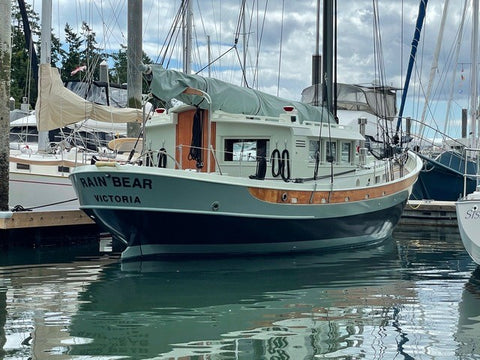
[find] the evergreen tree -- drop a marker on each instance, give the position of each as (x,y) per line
(72,58)
(119,72)
(91,57)
(23,83)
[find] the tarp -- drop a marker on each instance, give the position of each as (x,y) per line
(57,106)
(376,100)
(171,84)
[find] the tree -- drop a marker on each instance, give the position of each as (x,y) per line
(23,83)
(119,71)
(91,57)
(72,58)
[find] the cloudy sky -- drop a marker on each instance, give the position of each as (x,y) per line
(281,36)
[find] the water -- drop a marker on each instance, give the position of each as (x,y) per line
(416,296)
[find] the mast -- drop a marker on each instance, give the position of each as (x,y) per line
(134,59)
(316,61)
(45,57)
(327,60)
(474,77)
(28,40)
(187,38)
(5,67)
(416,37)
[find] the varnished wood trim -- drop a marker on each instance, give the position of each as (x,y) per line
(335,196)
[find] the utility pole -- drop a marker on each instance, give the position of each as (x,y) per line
(134,59)
(5,65)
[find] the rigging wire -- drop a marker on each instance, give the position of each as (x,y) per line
(259,45)
(237,36)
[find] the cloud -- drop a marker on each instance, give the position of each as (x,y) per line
(293,22)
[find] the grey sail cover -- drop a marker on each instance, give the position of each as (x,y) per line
(377,100)
(171,84)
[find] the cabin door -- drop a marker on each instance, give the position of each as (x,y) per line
(191,140)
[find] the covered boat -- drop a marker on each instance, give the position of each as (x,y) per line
(251,181)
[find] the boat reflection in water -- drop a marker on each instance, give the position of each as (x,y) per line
(412,297)
(268,307)
(468,331)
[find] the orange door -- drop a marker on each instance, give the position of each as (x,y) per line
(184,140)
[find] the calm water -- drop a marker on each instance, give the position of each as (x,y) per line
(417,296)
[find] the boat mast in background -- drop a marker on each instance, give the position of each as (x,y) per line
(413,52)
(474,79)
(45,58)
(187,36)
(134,59)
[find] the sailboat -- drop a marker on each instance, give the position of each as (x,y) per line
(87,130)
(236,171)
(468,207)
(80,130)
(442,178)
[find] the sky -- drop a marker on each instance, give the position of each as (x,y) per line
(281,40)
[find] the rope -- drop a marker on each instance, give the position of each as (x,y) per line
(18,208)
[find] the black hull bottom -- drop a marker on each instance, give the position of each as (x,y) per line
(154,233)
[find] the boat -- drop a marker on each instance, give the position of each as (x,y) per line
(468,213)
(442,178)
(309,185)
(80,129)
(468,206)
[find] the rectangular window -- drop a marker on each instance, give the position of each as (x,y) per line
(63,169)
(345,156)
(331,151)
(21,166)
(245,149)
(313,147)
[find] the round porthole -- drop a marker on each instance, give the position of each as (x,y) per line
(284,197)
(215,206)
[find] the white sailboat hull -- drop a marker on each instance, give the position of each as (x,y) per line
(46,192)
(468,216)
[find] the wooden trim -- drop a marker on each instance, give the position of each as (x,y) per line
(330,197)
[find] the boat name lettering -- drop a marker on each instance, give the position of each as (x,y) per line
(472,214)
(117,181)
(125,199)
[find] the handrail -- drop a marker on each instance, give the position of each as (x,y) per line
(465,174)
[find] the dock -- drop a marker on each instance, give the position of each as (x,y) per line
(429,213)
(33,219)
(46,228)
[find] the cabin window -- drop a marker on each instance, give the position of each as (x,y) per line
(63,169)
(313,147)
(245,149)
(21,166)
(331,151)
(346,151)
